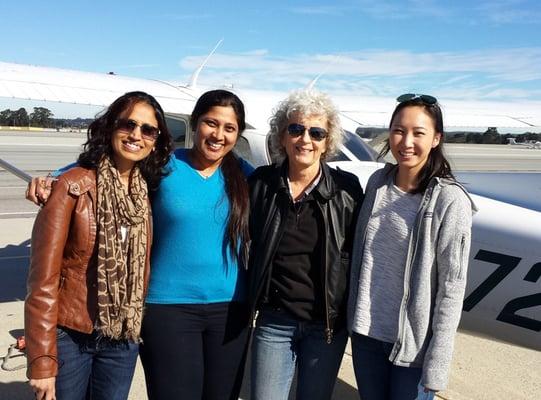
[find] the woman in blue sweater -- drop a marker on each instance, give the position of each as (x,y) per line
(195,327)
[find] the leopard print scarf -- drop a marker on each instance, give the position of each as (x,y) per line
(121,263)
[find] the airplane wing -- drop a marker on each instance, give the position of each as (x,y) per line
(28,82)
(458,115)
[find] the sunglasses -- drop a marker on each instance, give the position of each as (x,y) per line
(316,133)
(148,132)
(425,98)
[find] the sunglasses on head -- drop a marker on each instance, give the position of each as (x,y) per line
(148,132)
(425,98)
(316,133)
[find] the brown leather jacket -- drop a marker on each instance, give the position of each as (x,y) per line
(61,286)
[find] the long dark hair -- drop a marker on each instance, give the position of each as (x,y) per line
(100,132)
(236,234)
(436,165)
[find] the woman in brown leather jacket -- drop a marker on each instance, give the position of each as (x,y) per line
(90,257)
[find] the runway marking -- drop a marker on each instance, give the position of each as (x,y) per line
(14,257)
(484,155)
(41,144)
(19,213)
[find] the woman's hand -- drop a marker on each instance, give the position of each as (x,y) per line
(428,394)
(39,189)
(44,389)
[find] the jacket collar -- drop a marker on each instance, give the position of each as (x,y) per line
(436,182)
(325,188)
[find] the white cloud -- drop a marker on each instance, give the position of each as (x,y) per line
(389,10)
(319,10)
(479,73)
(186,17)
(510,11)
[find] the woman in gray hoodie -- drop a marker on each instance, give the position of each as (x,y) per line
(409,261)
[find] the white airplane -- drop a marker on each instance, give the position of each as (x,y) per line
(532,144)
(503,295)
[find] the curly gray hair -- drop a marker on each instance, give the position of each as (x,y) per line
(307,102)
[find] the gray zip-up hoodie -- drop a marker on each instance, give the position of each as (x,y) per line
(434,278)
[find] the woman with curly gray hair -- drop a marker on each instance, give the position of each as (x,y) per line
(302,214)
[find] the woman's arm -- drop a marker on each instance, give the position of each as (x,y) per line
(49,237)
(453,248)
(39,188)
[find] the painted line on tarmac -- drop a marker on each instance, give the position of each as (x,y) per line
(40,144)
(485,155)
(14,257)
(18,213)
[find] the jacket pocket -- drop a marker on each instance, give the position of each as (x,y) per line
(462,261)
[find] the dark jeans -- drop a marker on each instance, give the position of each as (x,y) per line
(93,368)
(194,351)
(377,378)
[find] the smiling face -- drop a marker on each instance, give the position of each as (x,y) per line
(302,151)
(215,135)
(412,136)
(131,147)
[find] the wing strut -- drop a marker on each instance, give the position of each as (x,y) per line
(195,76)
(313,82)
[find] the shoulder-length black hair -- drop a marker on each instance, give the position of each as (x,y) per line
(100,132)
(236,187)
(436,165)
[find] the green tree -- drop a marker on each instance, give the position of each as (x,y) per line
(474,138)
(6,117)
(20,117)
(41,117)
(491,136)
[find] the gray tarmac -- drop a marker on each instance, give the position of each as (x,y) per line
(482,368)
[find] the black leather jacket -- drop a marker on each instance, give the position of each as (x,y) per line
(339,197)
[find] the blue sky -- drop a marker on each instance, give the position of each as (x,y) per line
(477,50)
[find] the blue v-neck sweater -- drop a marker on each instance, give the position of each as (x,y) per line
(190,216)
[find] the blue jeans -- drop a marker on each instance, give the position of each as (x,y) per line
(378,379)
(280,344)
(92,368)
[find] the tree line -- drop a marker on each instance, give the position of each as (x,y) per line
(41,117)
(490,136)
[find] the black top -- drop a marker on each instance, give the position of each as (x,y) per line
(296,281)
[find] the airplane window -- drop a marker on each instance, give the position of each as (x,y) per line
(177,128)
(358,147)
(242,149)
(339,157)
(361,150)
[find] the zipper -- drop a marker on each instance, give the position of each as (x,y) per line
(328,331)
(461,269)
(262,284)
(61,284)
(407,274)
(355,279)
